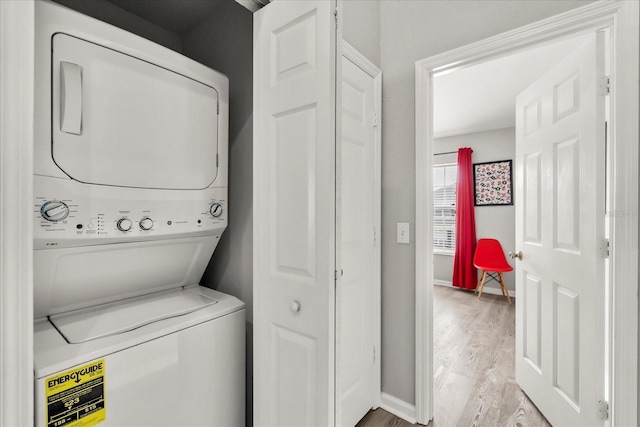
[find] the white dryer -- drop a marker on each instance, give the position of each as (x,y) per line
(130,202)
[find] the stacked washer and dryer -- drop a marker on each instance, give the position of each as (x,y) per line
(130,202)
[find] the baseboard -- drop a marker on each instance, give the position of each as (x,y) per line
(398,407)
(486,290)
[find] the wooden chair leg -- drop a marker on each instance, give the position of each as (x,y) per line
(478,284)
(482,280)
(505,290)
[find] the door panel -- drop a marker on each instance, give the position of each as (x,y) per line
(567,332)
(292,233)
(294,213)
(566,170)
(296,394)
(531,209)
(355,339)
(531,317)
(560,319)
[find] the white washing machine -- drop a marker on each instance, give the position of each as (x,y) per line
(130,202)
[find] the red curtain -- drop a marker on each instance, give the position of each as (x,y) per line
(464,273)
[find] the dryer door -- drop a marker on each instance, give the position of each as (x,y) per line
(121,121)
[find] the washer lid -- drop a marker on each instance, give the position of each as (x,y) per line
(111,319)
(118,120)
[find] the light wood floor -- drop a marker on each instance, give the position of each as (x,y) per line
(474,366)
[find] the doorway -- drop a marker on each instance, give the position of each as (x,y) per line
(474,342)
(624,96)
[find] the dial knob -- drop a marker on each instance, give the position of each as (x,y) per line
(124,224)
(54,210)
(146,223)
(216,209)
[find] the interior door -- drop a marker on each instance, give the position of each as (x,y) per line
(355,302)
(560,207)
(294,208)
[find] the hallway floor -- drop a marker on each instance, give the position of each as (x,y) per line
(474,365)
(474,362)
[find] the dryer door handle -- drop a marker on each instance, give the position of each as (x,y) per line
(70,98)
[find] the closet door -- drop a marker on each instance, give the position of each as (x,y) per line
(357,305)
(294,205)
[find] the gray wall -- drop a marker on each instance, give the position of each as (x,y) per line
(361,29)
(412,30)
(497,222)
(115,15)
(224,42)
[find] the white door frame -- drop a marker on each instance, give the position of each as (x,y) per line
(622,19)
(16,206)
(350,53)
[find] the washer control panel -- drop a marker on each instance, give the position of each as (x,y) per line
(64,217)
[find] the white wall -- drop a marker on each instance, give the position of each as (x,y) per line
(412,30)
(497,222)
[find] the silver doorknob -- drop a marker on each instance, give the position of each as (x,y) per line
(294,306)
(514,255)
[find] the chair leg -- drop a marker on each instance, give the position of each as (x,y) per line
(478,284)
(482,280)
(505,290)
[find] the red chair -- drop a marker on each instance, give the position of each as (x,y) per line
(490,259)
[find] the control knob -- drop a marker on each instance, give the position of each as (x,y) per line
(124,224)
(216,209)
(146,223)
(54,210)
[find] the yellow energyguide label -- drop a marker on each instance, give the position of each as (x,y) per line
(76,398)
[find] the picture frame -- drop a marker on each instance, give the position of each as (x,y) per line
(493,183)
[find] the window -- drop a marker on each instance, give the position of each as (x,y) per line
(444,208)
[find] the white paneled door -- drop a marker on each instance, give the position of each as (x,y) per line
(355,293)
(560,230)
(294,209)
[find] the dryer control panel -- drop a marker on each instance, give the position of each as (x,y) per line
(67,215)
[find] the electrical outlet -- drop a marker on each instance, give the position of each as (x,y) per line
(402,232)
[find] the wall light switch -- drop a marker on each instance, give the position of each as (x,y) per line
(402,231)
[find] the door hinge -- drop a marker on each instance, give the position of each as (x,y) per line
(605,248)
(603,410)
(375,119)
(605,86)
(218,107)
(217,160)
(335,14)
(375,236)
(374,354)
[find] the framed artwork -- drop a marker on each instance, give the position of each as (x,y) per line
(493,184)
